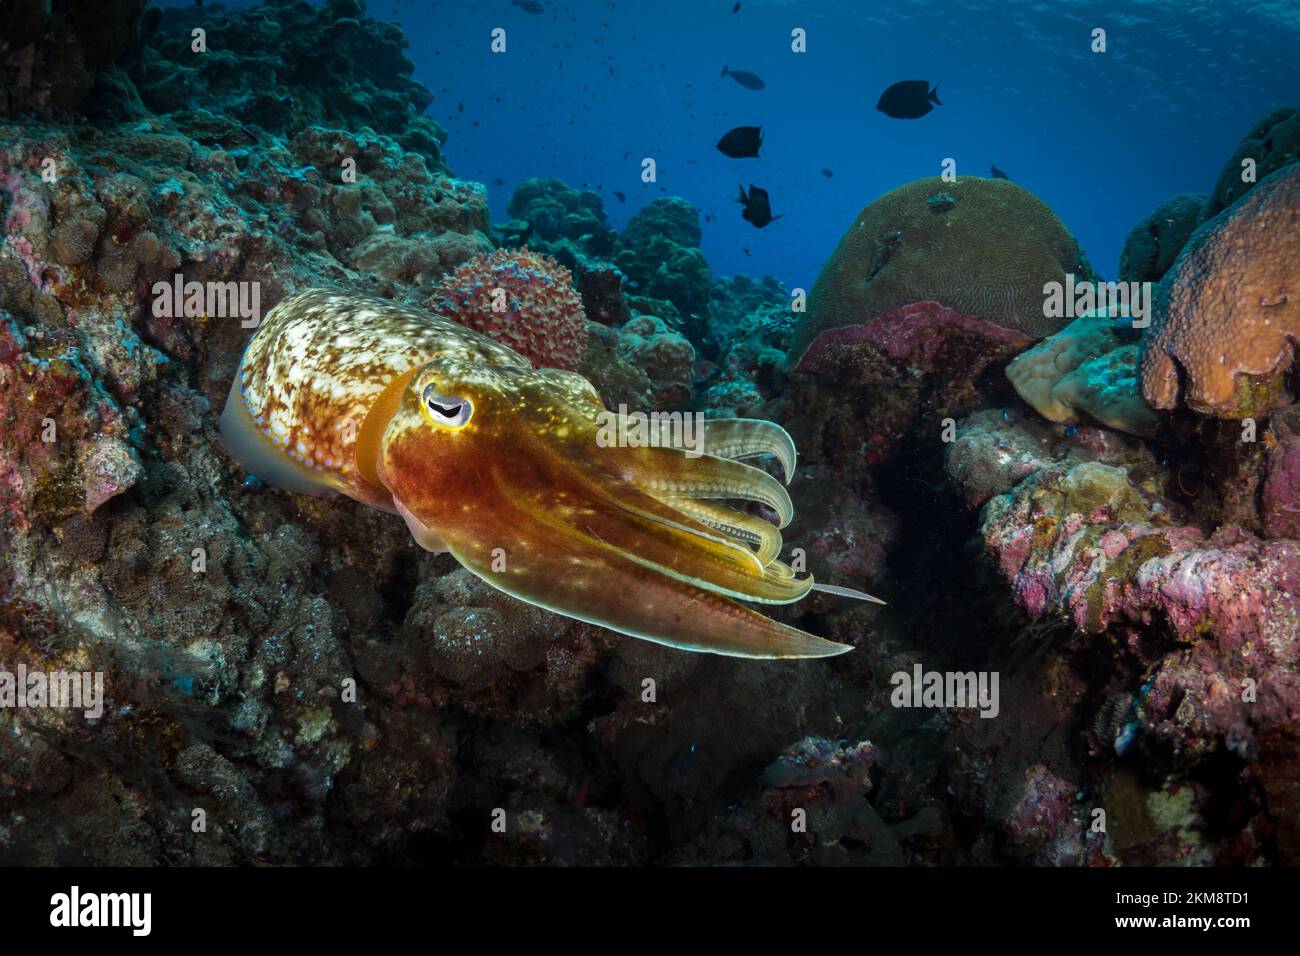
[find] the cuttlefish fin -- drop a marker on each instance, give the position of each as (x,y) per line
(597,583)
(262,457)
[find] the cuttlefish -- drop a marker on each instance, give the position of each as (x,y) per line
(502,465)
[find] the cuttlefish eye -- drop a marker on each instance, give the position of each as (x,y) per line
(445,411)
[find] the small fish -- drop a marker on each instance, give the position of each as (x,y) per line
(828,174)
(736,8)
(705,371)
(743,142)
(498,181)
(758,208)
(528,6)
(750,81)
(909,99)
(998,174)
(519,237)
(620,196)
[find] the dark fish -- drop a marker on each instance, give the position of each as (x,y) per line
(743,142)
(736,8)
(621,197)
(998,174)
(750,81)
(758,208)
(705,371)
(909,99)
(528,6)
(827,173)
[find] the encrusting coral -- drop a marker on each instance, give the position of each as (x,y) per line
(1085,368)
(983,247)
(1227,315)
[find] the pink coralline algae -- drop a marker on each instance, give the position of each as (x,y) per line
(1045,825)
(926,335)
(522,299)
(1101,545)
(1281,496)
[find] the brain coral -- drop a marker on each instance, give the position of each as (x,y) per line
(522,299)
(983,247)
(1228,313)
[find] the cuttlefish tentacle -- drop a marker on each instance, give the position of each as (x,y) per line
(670,473)
(608,557)
(763,535)
(500,464)
(732,438)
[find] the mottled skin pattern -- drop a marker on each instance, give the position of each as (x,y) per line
(319,361)
(501,465)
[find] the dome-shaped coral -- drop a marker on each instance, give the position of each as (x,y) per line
(982,247)
(522,299)
(1272,144)
(1228,313)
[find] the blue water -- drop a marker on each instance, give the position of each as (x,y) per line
(589,88)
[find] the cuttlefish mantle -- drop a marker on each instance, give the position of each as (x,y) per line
(499,463)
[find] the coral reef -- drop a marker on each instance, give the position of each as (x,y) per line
(1224,319)
(987,249)
(1213,617)
(50,53)
(263,69)
(1272,143)
(521,299)
(1154,243)
(1085,369)
(556,211)
(667,359)
(331,694)
(662,260)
